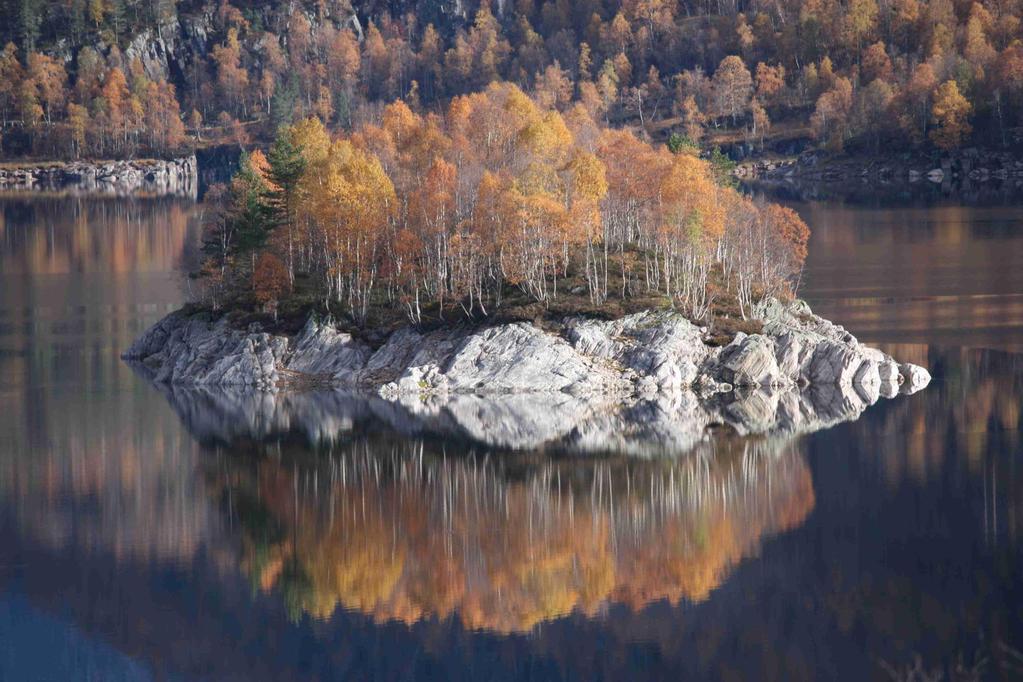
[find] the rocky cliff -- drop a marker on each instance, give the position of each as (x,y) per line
(646,354)
(187,33)
(176,177)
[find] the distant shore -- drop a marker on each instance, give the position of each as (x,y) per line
(178,177)
(953,167)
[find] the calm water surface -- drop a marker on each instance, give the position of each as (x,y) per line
(148,534)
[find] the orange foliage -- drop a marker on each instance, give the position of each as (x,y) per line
(499,191)
(458,539)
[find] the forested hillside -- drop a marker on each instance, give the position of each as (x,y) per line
(132,77)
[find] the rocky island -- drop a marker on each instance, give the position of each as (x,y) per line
(540,268)
(643,354)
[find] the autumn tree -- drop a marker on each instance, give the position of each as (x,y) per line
(607,86)
(502,190)
(764,251)
(770,81)
(859,22)
(232,79)
(163,125)
(351,212)
(28,104)
(619,60)
(914,103)
(269,281)
(692,119)
(50,81)
(831,114)
(977,47)
(733,86)
(949,114)
(78,123)
(760,122)
(10,80)
(114,109)
(875,63)
(871,116)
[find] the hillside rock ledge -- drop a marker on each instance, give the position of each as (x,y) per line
(645,354)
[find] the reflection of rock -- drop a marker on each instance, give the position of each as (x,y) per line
(656,424)
(642,354)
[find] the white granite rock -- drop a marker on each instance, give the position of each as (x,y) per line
(647,354)
(914,377)
(751,361)
(320,349)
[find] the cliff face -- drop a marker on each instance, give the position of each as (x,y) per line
(647,354)
(188,34)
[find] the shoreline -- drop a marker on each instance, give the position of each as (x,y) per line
(164,177)
(643,354)
(956,167)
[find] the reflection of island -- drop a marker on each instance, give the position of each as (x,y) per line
(652,427)
(404,529)
(404,511)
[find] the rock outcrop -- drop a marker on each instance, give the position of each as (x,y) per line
(647,354)
(174,177)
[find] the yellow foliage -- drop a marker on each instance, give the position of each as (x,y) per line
(949,113)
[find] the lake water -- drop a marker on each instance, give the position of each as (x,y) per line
(154,534)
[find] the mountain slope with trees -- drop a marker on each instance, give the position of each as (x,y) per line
(126,77)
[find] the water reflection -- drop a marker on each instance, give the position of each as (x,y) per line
(78,278)
(60,235)
(405,530)
(407,511)
(767,555)
(661,427)
(203,536)
(939,275)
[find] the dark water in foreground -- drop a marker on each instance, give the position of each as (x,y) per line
(148,535)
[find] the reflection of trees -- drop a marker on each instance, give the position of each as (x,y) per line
(977,414)
(89,456)
(940,274)
(405,531)
(59,235)
(94,482)
(878,572)
(79,278)
(406,525)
